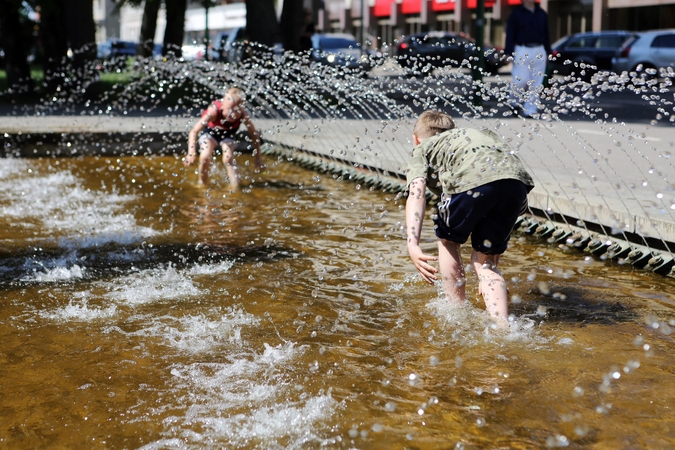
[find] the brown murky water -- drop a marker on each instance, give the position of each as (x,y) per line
(140,310)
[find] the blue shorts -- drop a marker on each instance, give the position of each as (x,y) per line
(487,213)
(219,135)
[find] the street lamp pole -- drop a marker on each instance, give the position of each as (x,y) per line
(207,3)
(479,65)
(363,27)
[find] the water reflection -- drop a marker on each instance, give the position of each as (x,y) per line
(286,315)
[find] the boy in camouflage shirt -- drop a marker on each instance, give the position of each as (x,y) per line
(482,186)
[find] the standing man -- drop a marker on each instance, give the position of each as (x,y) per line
(527,39)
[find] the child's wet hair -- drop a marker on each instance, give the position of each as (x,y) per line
(237,94)
(431,123)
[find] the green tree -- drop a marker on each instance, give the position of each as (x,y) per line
(148,27)
(261,22)
(15,39)
(54,39)
(292,22)
(175,27)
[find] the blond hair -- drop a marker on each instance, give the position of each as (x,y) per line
(237,94)
(431,123)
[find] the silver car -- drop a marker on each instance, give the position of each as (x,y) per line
(646,53)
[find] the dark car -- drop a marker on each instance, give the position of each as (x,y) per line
(584,54)
(113,48)
(339,50)
(238,48)
(218,51)
(425,51)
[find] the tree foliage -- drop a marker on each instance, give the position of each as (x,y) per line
(261,22)
(15,38)
(148,27)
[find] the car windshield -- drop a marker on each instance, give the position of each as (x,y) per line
(560,41)
(123,44)
(610,41)
(327,43)
(437,40)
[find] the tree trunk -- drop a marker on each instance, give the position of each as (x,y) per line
(146,41)
(54,39)
(292,22)
(81,31)
(13,40)
(175,27)
(261,22)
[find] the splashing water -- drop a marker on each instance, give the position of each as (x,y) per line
(156,313)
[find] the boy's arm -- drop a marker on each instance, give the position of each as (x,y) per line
(194,133)
(414,217)
(255,138)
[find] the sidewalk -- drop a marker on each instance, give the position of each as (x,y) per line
(615,175)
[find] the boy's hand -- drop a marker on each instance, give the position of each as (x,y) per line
(419,259)
(189,159)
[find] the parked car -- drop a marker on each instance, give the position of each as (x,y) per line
(584,54)
(339,49)
(112,48)
(191,52)
(218,50)
(646,52)
(424,51)
(238,48)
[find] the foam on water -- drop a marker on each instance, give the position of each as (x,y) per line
(190,333)
(12,166)
(472,326)
(147,286)
(56,274)
(79,310)
(210,269)
(54,199)
(257,384)
(200,333)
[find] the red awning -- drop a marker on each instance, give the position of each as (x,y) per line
(443,5)
(449,5)
(411,6)
(383,7)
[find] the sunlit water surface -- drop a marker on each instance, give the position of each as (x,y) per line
(140,310)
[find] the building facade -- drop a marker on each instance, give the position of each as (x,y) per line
(388,20)
(383,22)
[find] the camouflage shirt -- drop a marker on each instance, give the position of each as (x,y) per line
(464,158)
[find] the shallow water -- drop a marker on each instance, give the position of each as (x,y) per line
(140,310)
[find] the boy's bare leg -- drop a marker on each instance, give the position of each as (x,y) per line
(480,292)
(230,166)
(206,147)
(491,285)
(452,270)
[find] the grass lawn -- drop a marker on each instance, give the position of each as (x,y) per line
(111,87)
(108,81)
